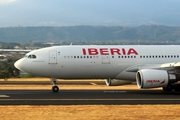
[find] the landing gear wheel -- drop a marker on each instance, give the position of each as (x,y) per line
(55,88)
(177,87)
(168,88)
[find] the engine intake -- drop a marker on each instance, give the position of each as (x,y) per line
(151,78)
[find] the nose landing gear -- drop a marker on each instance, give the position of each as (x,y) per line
(55,88)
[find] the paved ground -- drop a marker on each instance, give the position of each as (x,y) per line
(37,92)
(88,97)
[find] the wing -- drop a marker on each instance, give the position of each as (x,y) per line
(130,72)
(175,67)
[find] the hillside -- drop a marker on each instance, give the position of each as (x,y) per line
(90,33)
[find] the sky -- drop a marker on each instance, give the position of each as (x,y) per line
(89,12)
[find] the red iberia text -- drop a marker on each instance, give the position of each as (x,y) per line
(109,51)
(153,81)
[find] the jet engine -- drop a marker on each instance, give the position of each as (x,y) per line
(151,78)
(116,82)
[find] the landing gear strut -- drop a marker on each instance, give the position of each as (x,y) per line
(55,88)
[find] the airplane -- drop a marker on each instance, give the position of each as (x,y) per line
(150,66)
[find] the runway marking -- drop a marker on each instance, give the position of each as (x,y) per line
(93,83)
(1,96)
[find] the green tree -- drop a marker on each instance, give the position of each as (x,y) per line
(4,74)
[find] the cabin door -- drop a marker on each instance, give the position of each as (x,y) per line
(52,57)
(105,59)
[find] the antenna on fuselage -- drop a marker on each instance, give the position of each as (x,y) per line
(71,44)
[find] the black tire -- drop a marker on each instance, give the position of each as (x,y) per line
(168,88)
(176,87)
(55,88)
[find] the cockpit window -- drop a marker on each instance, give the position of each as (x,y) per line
(31,56)
(25,56)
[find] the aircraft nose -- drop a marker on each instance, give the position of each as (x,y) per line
(19,65)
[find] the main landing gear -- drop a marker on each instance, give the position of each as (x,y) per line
(171,87)
(55,88)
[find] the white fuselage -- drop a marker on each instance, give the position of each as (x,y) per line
(96,62)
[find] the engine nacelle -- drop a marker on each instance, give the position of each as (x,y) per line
(116,82)
(151,78)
